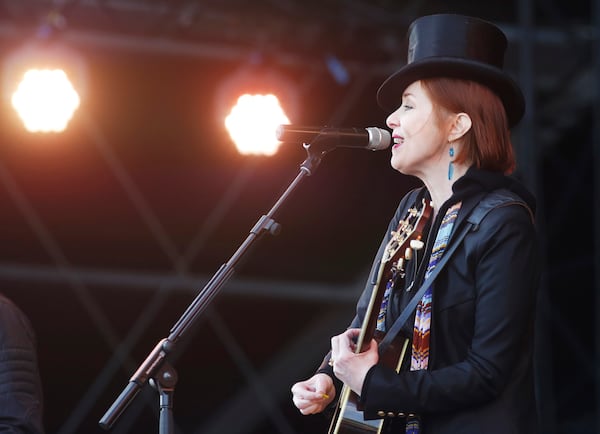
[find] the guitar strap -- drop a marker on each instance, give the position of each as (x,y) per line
(497,198)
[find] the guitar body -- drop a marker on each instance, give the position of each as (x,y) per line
(348,417)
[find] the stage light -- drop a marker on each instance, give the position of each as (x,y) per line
(45,100)
(44,83)
(252,124)
(251,103)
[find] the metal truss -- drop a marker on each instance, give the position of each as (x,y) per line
(559,68)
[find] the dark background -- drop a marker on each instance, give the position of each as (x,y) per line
(111,229)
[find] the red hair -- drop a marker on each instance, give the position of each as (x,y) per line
(487,144)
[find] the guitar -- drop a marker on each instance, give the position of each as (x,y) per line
(348,417)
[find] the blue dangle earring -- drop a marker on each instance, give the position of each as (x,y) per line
(451,163)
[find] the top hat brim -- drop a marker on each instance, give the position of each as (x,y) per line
(389,95)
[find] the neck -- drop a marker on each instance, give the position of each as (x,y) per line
(440,187)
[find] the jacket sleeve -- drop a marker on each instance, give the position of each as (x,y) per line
(20,385)
(495,273)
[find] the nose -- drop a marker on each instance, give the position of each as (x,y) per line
(393,120)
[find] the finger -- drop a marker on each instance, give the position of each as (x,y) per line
(305,399)
(353,333)
(324,387)
(335,349)
(296,388)
(335,343)
(322,395)
(304,405)
(311,409)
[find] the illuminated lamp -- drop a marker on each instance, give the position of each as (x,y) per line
(251,103)
(44,82)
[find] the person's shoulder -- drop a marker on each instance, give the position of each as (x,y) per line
(14,324)
(510,203)
(503,211)
(7,305)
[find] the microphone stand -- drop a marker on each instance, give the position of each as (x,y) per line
(155,368)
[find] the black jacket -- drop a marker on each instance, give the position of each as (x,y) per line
(480,377)
(20,385)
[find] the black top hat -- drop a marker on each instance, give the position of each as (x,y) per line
(455,46)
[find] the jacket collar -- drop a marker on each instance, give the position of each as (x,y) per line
(473,186)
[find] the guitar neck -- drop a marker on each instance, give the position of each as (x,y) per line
(370,322)
(398,250)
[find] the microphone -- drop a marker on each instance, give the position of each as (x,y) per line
(375,139)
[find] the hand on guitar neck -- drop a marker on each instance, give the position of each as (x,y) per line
(349,366)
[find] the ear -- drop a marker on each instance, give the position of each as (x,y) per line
(459,126)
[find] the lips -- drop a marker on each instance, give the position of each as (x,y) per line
(398,141)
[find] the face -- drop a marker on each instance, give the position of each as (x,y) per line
(420,136)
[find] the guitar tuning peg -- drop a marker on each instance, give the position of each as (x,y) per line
(408,254)
(400,265)
(416,244)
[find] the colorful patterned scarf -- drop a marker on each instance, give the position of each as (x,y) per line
(386,299)
(420,344)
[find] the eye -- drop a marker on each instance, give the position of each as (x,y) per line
(407,107)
